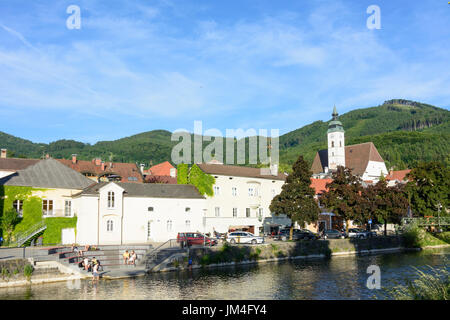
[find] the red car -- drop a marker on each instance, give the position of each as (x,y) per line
(195,238)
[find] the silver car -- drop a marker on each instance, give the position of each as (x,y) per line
(243,237)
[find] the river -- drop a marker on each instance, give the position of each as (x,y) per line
(336,278)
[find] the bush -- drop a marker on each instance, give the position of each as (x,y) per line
(5,273)
(28,271)
(444,236)
(413,236)
(205,260)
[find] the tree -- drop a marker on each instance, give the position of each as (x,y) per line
(386,204)
(429,188)
(344,195)
(296,199)
(8,221)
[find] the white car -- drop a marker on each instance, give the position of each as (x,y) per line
(243,237)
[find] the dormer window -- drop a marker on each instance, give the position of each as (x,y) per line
(110,199)
(150,209)
(187,209)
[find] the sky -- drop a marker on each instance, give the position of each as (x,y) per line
(136,66)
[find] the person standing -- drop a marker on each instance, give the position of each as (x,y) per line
(95,273)
(126,257)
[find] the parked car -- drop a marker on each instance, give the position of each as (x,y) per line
(297,234)
(195,238)
(359,233)
(243,237)
(333,234)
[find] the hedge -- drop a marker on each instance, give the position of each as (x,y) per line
(54,226)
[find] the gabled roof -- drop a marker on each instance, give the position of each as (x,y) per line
(319,185)
(16,164)
(161,169)
(47,173)
(124,170)
(399,175)
(237,171)
(150,190)
(357,157)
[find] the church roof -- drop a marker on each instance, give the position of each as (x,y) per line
(357,157)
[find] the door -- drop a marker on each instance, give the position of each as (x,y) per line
(68,236)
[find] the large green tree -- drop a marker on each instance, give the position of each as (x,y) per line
(384,204)
(8,221)
(296,199)
(343,195)
(429,189)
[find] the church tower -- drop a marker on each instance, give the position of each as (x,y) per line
(336,143)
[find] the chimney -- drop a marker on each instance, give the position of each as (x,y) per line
(103,166)
(173,172)
(98,161)
(274,169)
(3,156)
(74,159)
(142,166)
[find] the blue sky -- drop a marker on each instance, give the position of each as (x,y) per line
(136,66)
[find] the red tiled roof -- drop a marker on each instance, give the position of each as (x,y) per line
(128,172)
(161,169)
(319,185)
(399,175)
(357,157)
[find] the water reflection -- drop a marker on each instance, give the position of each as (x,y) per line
(337,278)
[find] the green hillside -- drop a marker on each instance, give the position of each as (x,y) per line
(403,131)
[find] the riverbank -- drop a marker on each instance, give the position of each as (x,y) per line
(228,255)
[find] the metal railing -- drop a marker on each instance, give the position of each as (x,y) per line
(22,237)
(172,243)
(432,221)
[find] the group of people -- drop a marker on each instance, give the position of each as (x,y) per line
(80,251)
(92,265)
(129,257)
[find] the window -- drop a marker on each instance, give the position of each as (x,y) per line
(149,230)
(18,206)
(217,211)
(260,213)
(150,209)
(188,224)
(251,192)
(247,212)
(109,225)
(332,144)
(234,191)
(187,209)
(110,199)
(47,207)
(216,190)
(169,225)
(340,143)
(234,212)
(68,208)
(273,192)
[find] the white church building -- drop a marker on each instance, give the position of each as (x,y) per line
(363,159)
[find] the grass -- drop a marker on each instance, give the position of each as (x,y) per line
(431,285)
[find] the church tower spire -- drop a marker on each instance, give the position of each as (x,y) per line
(336,142)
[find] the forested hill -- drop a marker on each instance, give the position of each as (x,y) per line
(403,131)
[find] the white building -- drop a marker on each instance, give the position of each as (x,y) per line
(363,159)
(241,200)
(127,213)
